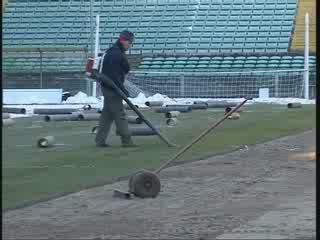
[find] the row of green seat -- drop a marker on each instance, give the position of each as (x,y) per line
(229,62)
(250,57)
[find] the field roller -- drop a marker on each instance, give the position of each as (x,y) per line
(146,184)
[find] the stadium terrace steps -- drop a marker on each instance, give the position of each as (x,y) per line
(305,6)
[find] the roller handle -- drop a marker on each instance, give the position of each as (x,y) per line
(204,133)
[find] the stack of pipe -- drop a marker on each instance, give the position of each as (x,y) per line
(294,105)
(154,103)
(83,116)
(14,110)
(219,104)
(233,116)
(51,111)
(140,131)
(61,117)
(134,120)
(6,120)
(172,118)
(199,105)
(169,108)
(45,142)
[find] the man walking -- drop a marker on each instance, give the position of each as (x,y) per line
(115,66)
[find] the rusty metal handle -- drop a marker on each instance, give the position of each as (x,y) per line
(204,133)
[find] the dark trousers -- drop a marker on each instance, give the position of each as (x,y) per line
(112,111)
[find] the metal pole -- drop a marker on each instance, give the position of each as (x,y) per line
(96,51)
(306,58)
(276,92)
(40,68)
(91,28)
(182,86)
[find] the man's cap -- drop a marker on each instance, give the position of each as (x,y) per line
(126,36)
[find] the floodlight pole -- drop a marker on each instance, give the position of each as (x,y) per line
(91,28)
(91,52)
(96,51)
(306,58)
(40,52)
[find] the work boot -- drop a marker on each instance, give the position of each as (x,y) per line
(127,141)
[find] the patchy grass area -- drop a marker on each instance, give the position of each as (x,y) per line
(31,174)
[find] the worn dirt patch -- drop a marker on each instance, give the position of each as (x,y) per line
(256,192)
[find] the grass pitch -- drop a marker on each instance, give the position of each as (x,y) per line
(31,174)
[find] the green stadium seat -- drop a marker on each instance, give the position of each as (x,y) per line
(205,58)
(286,58)
(155,66)
(250,62)
(238,66)
(273,66)
(202,66)
(239,62)
(274,61)
(285,61)
(166,66)
(263,59)
(226,62)
(298,57)
(182,59)
(193,58)
(188,66)
(143,67)
(168,62)
(180,62)
(146,62)
(147,58)
(238,45)
(203,62)
(297,65)
(214,66)
(261,66)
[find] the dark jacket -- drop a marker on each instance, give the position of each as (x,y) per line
(115,65)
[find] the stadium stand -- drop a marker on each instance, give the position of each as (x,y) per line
(163,26)
(171,35)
